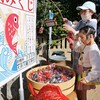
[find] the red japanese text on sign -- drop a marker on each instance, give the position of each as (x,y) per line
(20,4)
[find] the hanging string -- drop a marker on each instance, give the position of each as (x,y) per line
(41,28)
(57,9)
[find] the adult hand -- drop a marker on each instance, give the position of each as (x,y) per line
(65,20)
(68,28)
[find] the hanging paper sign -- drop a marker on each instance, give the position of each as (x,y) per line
(49,23)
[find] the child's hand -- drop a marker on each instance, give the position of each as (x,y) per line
(84,86)
(83,81)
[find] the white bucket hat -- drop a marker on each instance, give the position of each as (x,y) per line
(87,5)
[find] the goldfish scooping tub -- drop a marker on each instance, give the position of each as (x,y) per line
(61,76)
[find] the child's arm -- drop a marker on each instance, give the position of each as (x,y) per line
(95,62)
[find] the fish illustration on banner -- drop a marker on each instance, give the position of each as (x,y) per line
(11,27)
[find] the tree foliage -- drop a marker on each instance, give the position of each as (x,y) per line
(67,9)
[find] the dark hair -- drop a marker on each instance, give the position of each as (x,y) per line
(95,16)
(88,30)
(98,19)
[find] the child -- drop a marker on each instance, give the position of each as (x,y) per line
(90,60)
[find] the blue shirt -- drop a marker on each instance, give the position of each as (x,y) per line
(92,22)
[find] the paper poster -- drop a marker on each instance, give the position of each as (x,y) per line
(17,37)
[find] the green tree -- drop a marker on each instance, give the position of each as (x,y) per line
(60,8)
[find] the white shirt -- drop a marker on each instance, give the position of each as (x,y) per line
(91,58)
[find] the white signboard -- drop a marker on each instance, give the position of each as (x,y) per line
(17,37)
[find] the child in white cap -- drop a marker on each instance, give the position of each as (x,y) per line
(86,12)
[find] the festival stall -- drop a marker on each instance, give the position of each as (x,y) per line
(17,39)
